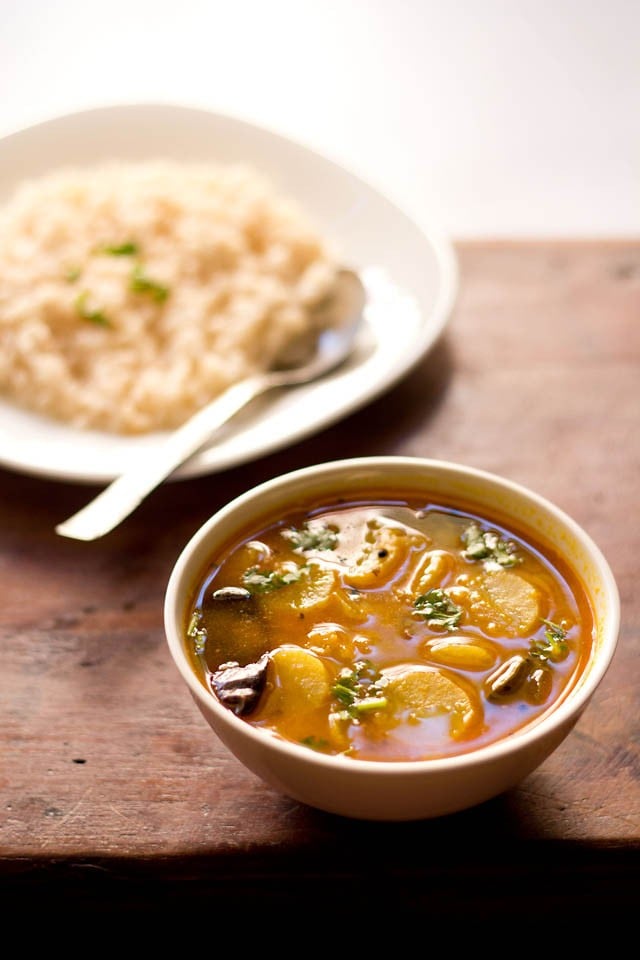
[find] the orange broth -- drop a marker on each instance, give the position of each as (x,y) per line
(389,629)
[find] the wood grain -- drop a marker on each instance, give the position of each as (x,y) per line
(113,788)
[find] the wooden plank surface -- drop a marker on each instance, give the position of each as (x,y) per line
(108,770)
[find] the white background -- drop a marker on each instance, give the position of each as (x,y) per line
(491,117)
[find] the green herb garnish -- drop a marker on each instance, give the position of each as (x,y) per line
(264,581)
(73,274)
(196,632)
(94,316)
(311,537)
(140,283)
(359,689)
(553,645)
(119,250)
(316,743)
(488,546)
(438,609)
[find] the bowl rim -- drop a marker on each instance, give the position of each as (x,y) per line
(567,712)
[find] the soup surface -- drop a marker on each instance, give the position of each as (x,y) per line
(388,629)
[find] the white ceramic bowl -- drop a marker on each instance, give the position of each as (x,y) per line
(383,790)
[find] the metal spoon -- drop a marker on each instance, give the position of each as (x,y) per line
(124,494)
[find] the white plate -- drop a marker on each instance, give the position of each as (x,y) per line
(410,273)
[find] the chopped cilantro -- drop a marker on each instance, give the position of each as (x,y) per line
(196,632)
(438,609)
(553,645)
(316,743)
(264,581)
(311,537)
(359,690)
(488,546)
(140,283)
(127,249)
(94,316)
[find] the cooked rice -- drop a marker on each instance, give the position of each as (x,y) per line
(131,294)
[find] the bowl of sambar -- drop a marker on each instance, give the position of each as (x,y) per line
(391,638)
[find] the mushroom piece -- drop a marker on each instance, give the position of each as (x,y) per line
(239,688)
(508,678)
(231,593)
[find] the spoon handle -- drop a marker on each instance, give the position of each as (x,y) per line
(124,494)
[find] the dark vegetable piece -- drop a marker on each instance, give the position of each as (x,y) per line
(239,688)
(508,678)
(539,684)
(531,675)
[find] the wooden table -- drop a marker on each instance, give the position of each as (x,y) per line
(115,794)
